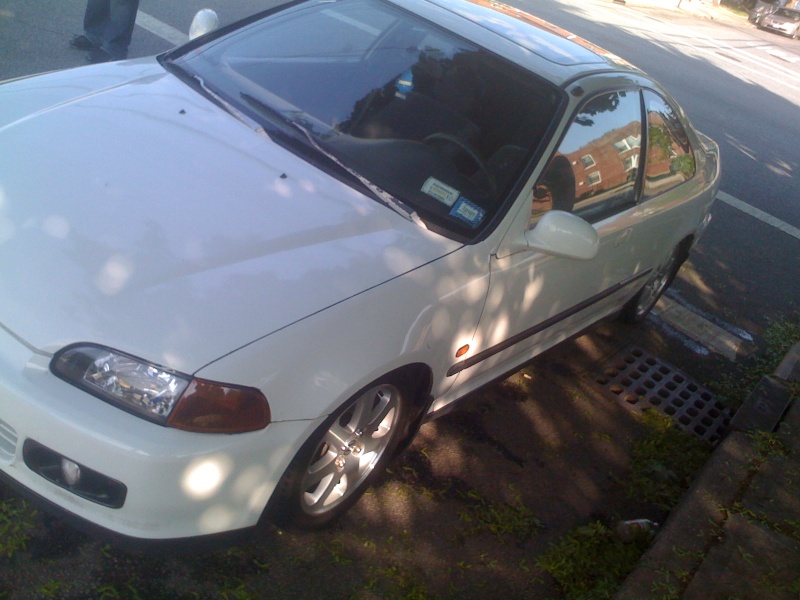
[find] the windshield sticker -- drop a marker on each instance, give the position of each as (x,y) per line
(441,191)
(467,211)
(404,85)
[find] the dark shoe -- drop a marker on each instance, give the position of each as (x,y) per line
(98,55)
(81,42)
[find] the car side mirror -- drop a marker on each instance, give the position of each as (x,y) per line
(564,234)
(204,21)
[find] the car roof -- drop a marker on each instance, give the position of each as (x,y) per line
(568,55)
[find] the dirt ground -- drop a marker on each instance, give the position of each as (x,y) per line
(463,513)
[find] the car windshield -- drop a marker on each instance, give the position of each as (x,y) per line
(792,15)
(435,122)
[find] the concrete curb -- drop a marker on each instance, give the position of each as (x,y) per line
(675,559)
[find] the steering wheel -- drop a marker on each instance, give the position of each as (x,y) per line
(470,152)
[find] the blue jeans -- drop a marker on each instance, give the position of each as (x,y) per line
(109,25)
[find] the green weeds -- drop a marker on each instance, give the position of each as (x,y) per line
(394,582)
(664,462)
(52,589)
(16,519)
(767,445)
(501,519)
(779,337)
(591,561)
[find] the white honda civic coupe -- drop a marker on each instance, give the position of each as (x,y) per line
(237,277)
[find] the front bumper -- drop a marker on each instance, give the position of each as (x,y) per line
(178,484)
(778,27)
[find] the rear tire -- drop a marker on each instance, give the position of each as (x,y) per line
(341,458)
(638,307)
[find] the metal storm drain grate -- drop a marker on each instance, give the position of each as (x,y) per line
(639,381)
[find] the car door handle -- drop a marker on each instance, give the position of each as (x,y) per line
(623,237)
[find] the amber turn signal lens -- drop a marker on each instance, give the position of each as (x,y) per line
(210,407)
(462,351)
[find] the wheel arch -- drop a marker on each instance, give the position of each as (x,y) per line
(414,382)
(418,377)
(684,247)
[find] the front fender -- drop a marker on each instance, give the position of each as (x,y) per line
(311,367)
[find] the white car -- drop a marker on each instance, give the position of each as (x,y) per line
(783,20)
(238,277)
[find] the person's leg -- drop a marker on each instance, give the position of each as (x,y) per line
(119,29)
(94,21)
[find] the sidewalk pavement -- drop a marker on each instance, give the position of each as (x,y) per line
(736,532)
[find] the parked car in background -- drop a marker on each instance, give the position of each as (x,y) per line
(763,8)
(783,20)
(237,277)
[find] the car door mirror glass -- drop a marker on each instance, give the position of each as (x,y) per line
(563,234)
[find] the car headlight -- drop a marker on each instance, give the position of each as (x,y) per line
(161,395)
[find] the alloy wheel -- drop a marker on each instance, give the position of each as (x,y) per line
(350,449)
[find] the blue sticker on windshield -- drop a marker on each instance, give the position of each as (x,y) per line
(405,84)
(467,211)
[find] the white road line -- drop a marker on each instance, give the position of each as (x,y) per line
(759,214)
(162,30)
(777,53)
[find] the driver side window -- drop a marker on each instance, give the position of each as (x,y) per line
(594,172)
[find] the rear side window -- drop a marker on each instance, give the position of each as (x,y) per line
(595,170)
(670,159)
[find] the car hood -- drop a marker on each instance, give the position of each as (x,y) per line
(137,214)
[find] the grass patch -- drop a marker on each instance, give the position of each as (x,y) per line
(16,519)
(501,519)
(779,337)
(397,583)
(591,561)
(664,462)
(52,589)
(767,445)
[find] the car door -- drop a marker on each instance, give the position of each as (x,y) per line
(537,299)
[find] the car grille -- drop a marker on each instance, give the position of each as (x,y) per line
(8,442)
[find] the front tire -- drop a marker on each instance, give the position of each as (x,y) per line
(638,307)
(343,456)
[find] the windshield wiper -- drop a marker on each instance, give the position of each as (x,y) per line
(276,116)
(225,104)
(378,193)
